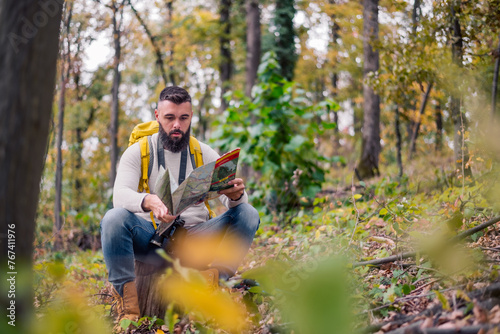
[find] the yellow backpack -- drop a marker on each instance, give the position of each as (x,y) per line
(142,133)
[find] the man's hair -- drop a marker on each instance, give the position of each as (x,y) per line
(175,94)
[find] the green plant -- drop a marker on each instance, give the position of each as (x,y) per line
(276,130)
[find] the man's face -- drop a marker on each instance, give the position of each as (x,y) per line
(175,122)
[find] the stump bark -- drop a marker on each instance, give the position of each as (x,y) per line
(151,301)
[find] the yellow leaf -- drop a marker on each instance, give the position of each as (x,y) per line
(382,240)
(195,296)
(358,196)
(159,331)
(463,295)
(443,300)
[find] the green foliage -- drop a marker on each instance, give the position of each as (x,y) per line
(70,312)
(276,131)
(314,296)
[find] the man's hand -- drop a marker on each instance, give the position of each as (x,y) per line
(153,203)
(236,191)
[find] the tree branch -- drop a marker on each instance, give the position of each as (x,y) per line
(152,39)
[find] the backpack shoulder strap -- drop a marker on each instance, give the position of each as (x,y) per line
(143,182)
(145,144)
(195,150)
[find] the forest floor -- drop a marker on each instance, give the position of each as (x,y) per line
(311,273)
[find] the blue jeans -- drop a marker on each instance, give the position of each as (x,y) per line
(125,237)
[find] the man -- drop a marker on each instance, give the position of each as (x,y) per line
(127,228)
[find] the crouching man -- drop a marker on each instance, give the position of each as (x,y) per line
(126,230)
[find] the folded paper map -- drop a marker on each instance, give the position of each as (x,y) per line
(203,183)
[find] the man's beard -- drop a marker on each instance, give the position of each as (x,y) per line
(174,145)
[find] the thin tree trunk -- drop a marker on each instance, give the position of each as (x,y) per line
(335,118)
(59,165)
(415,17)
(494,90)
(115,106)
(80,130)
(461,152)
(252,61)
(226,63)
(78,168)
(153,39)
(59,140)
(416,129)
(357,121)
(203,122)
(335,78)
(29,40)
(171,42)
(75,156)
(438,116)
(65,70)
(368,164)
(253,44)
(398,142)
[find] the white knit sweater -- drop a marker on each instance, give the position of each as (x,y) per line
(125,193)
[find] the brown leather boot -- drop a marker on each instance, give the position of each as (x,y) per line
(212,278)
(127,307)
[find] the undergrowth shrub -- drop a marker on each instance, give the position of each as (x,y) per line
(276,130)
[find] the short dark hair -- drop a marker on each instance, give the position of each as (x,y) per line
(175,94)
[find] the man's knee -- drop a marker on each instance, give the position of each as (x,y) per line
(249,215)
(114,219)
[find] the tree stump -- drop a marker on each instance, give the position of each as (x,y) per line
(151,300)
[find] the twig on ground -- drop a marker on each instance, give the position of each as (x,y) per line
(406,298)
(427,284)
(415,329)
(493,290)
(451,241)
(496,249)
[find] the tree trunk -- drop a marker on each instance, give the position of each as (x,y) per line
(80,129)
(151,302)
(226,62)
(252,61)
(335,79)
(398,142)
(494,91)
(438,116)
(203,122)
(59,164)
(368,164)
(154,43)
(65,70)
(415,17)
(29,38)
(357,118)
(253,44)
(171,42)
(416,129)
(286,52)
(115,107)
(461,152)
